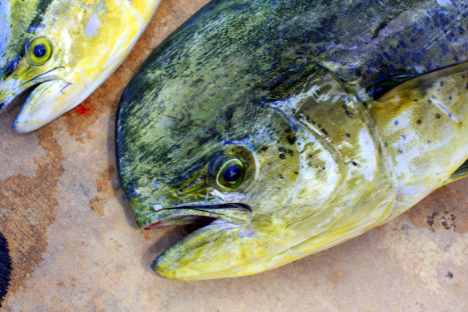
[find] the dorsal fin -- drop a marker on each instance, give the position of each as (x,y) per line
(460,173)
(420,83)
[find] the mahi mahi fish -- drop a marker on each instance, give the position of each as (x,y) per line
(55,53)
(285,127)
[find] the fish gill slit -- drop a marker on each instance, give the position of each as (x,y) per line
(366,118)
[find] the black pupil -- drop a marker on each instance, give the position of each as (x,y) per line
(232,173)
(39,50)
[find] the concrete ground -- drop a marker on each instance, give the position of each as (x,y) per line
(75,245)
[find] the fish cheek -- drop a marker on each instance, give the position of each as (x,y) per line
(89,40)
(278,166)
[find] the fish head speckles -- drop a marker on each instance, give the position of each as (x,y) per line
(192,155)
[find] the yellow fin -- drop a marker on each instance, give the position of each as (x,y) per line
(418,84)
(460,173)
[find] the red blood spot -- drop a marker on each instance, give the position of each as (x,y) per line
(83,110)
(149,226)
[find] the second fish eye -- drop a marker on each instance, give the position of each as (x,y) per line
(39,51)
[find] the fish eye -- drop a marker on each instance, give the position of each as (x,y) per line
(231,174)
(226,172)
(39,51)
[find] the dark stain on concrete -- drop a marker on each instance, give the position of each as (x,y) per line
(106,186)
(30,203)
(443,209)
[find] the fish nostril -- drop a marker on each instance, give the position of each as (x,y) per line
(11,66)
(158,207)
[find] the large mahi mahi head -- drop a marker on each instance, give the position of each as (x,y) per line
(287,127)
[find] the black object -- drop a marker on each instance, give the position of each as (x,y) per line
(5,267)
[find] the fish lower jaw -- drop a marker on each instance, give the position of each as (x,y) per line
(8,100)
(210,219)
(27,99)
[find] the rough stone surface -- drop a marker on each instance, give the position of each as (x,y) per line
(75,246)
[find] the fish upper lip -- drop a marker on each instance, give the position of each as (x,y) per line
(24,90)
(227,205)
(44,73)
(238,214)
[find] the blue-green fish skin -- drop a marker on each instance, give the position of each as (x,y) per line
(291,89)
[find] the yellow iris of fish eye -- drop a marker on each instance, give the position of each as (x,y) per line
(39,51)
(231,174)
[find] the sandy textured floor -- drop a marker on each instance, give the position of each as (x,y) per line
(75,245)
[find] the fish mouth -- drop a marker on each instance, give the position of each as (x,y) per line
(19,90)
(211,222)
(233,214)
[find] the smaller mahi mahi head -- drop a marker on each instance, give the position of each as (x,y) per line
(54,54)
(283,128)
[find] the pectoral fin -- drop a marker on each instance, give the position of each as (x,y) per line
(460,173)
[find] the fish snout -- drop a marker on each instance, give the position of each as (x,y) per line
(37,92)
(227,218)
(45,103)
